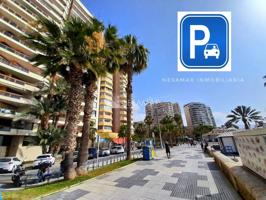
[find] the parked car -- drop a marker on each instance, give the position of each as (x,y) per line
(47,158)
(92,153)
(104,152)
(117,149)
(9,164)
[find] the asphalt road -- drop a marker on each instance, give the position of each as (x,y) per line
(6,182)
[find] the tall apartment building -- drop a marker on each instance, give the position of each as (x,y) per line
(119,101)
(198,114)
(18,77)
(160,110)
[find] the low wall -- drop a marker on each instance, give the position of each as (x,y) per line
(249,185)
(28,153)
(251,145)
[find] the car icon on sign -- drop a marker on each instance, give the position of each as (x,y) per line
(211,50)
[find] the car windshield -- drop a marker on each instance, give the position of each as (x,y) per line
(44,156)
(211,46)
(5,159)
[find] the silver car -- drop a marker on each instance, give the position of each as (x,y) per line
(9,164)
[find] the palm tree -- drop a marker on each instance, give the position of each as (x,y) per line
(168,126)
(148,121)
(245,114)
(99,66)
(136,58)
(70,58)
(140,132)
(179,122)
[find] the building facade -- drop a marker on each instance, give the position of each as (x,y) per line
(18,77)
(198,114)
(160,110)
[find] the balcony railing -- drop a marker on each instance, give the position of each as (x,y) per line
(24,8)
(3,60)
(12,23)
(13,37)
(14,13)
(8,78)
(14,51)
(9,94)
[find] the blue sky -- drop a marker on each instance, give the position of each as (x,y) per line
(154,23)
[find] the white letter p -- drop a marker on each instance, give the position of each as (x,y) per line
(194,42)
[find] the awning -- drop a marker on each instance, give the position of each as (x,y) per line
(108,135)
(119,140)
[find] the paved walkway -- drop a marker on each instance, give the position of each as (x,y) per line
(189,174)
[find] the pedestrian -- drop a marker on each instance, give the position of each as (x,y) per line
(167,149)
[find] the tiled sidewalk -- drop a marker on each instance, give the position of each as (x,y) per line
(189,174)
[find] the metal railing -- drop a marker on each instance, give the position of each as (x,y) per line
(103,161)
(5,77)
(14,51)
(13,64)
(9,94)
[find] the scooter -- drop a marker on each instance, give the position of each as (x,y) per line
(16,178)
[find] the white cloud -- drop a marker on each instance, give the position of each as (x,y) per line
(220,118)
(138,113)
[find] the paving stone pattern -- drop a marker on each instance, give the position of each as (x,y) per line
(176,163)
(187,175)
(136,179)
(186,186)
(67,195)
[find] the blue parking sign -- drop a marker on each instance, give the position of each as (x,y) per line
(204,41)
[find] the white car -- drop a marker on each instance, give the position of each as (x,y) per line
(104,152)
(211,50)
(9,164)
(48,158)
(117,149)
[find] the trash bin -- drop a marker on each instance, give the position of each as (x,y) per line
(147,154)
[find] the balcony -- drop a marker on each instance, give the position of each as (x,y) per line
(5,46)
(14,99)
(17,84)
(7,113)
(22,9)
(9,38)
(12,25)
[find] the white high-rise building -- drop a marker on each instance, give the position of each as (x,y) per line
(198,114)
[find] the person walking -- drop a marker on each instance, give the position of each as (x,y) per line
(167,149)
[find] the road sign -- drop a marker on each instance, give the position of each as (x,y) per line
(204,41)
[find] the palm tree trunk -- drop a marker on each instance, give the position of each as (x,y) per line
(45,121)
(246,124)
(73,111)
(83,153)
(129,112)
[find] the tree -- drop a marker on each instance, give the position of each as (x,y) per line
(101,62)
(179,123)
(148,121)
(65,51)
(168,127)
(94,41)
(136,58)
(122,131)
(201,129)
(245,114)
(140,132)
